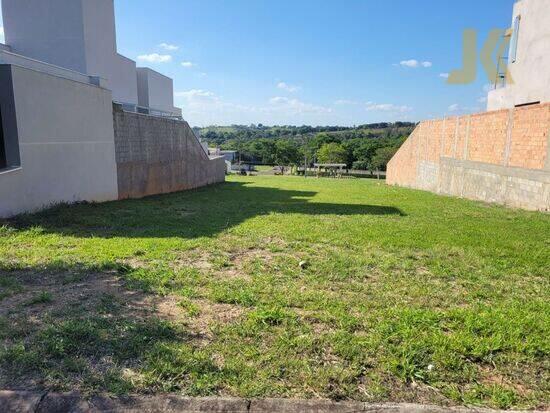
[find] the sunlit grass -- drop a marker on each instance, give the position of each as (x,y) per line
(402,295)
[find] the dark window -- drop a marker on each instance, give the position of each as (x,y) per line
(3,162)
(9,140)
(514,41)
(528,104)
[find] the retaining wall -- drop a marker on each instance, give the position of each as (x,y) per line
(501,157)
(158,155)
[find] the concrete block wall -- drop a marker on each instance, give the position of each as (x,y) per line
(501,157)
(157,155)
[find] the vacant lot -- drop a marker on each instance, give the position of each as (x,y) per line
(401,295)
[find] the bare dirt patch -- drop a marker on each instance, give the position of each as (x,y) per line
(84,294)
(70,291)
(45,300)
(233,264)
(211,314)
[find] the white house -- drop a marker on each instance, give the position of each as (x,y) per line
(528,59)
(80,35)
(59,76)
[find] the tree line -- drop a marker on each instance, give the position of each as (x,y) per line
(364,147)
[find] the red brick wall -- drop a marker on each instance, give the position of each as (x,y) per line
(487,139)
(404,164)
(515,138)
(460,138)
(449,130)
(530,137)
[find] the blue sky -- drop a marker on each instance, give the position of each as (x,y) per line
(320,62)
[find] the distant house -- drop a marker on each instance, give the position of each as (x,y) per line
(230,156)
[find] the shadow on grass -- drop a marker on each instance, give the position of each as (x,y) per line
(192,214)
(95,334)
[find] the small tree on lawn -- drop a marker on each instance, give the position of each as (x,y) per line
(382,157)
(332,153)
(286,153)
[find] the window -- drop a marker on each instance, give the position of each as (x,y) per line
(9,140)
(3,161)
(514,40)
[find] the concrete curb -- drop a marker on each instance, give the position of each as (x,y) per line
(36,402)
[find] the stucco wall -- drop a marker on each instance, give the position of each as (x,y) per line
(501,156)
(65,138)
(157,155)
(155,90)
(102,58)
(531,82)
(74,34)
(50,31)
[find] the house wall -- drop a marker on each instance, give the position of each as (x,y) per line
(157,155)
(102,58)
(75,34)
(63,130)
(10,58)
(529,73)
(155,90)
(500,156)
(50,31)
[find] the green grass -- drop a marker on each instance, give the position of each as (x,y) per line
(263,168)
(43,297)
(406,296)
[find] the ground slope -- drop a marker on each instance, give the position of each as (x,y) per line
(402,295)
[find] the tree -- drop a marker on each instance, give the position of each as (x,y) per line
(382,157)
(287,152)
(262,150)
(321,139)
(350,145)
(364,152)
(332,153)
(361,165)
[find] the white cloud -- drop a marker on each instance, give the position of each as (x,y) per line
(444,75)
(207,108)
(459,109)
(2,40)
(295,106)
(188,64)
(387,107)
(482,99)
(287,87)
(342,102)
(197,94)
(413,63)
(155,58)
(204,107)
(169,47)
(409,63)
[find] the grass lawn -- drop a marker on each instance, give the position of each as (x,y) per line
(404,295)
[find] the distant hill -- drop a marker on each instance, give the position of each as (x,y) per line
(219,135)
(367,146)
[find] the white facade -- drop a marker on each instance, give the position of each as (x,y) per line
(155,91)
(529,58)
(79,35)
(59,75)
(60,138)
